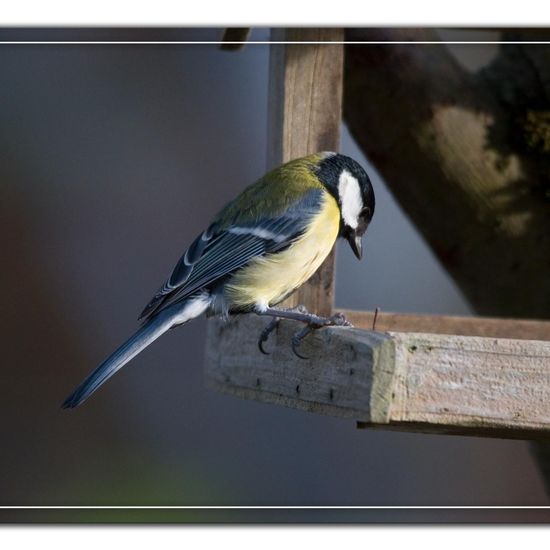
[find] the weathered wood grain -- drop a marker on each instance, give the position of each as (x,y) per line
(472,382)
(346,382)
(432,383)
(520,329)
(305,111)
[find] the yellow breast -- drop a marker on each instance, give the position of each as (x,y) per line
(267,280)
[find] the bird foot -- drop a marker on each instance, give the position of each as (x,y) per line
(336,320)
(299,313)
(274,324)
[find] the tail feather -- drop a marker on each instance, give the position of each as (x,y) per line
(145,336)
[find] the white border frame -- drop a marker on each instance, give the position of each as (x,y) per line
(258,42)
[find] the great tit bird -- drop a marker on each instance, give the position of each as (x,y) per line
(259,249)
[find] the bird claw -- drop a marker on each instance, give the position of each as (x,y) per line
(338,320)
(297,338)
(273,324)
(264,335)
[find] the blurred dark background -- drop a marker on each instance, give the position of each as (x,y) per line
(112,159)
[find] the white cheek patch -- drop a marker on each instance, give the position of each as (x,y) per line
(351,201)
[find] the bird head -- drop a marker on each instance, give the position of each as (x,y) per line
(349,184)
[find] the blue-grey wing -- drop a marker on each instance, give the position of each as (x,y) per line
(217,253)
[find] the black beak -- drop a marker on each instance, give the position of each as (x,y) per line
(355,243)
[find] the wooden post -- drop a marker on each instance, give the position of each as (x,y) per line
(305,111)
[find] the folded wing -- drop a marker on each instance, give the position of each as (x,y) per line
(220,251)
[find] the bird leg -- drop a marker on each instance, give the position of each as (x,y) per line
(299,313)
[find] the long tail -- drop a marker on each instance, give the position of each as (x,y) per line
(145,336)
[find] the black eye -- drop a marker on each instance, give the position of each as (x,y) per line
(365,212)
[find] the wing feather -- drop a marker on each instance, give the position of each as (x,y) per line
(218,252)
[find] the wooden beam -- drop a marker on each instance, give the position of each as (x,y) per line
(305,111)
(345,387)
(432,383)
(415,104)
(520,329)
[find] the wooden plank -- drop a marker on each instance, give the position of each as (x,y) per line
(305,111)
(346,387)
(521,329)
(467,383)
(432,383)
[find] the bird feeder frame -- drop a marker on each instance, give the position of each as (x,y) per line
(422,373)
